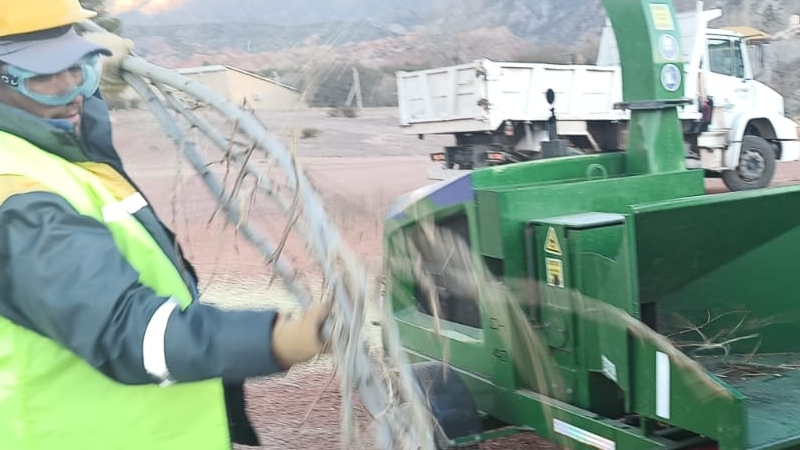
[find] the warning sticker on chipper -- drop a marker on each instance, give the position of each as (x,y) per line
(662,18)
(551,244)
(671,77)
(555,272)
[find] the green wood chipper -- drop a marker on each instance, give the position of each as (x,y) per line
(604,301)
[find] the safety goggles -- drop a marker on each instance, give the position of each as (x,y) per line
(58,89)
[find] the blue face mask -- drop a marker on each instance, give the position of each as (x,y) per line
(59,89)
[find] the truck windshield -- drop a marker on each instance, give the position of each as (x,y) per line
(725,57)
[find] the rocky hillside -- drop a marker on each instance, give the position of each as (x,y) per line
(310,44)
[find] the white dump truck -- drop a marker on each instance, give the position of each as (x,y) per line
(733,125)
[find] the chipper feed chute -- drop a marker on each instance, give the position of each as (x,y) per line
(604,301)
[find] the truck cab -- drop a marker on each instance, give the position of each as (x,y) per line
(734,125)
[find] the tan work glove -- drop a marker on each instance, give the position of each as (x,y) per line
(111,83)
(297,337)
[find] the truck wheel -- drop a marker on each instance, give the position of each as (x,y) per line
(756,166)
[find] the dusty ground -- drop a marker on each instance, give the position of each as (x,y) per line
(359,165)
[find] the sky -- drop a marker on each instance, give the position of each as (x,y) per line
(146,6)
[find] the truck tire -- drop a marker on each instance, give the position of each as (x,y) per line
(756,166)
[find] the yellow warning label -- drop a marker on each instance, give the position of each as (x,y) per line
(551,244)
(662,19)
(555,272)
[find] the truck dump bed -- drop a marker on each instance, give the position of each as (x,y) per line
(481,95)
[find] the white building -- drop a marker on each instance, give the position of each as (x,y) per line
(240,86)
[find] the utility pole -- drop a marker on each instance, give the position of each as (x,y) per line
(355,91)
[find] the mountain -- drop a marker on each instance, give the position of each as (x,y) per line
(276,12)
(300,39)
(276,24)
(255,26)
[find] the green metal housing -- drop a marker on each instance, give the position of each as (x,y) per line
(614,304)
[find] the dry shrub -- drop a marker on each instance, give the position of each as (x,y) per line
(310,132)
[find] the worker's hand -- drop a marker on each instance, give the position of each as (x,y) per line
(297,337)
(111,82)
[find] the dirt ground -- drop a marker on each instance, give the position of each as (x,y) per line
(358,165)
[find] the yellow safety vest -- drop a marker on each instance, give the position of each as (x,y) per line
(52,400)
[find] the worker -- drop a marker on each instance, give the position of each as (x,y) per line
(103,342)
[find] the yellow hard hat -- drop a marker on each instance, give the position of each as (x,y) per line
(27,16)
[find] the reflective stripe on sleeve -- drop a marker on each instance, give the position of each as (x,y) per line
(153,348)
(125,207)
